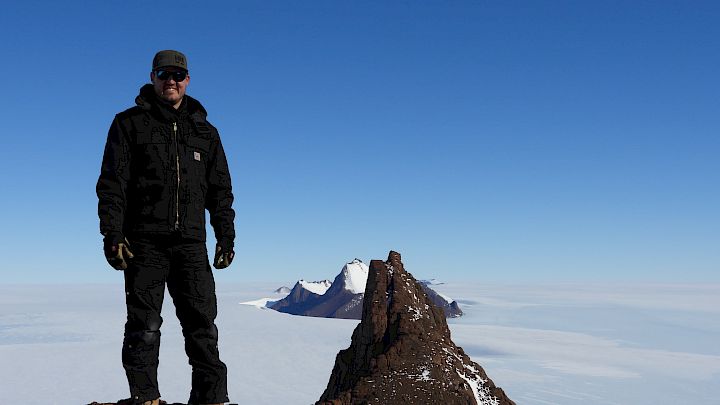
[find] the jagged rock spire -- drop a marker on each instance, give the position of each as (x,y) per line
(401,352)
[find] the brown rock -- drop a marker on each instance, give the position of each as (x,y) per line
(401,352)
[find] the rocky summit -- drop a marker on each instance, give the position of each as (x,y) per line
(401,352)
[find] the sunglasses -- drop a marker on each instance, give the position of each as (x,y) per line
(165,75)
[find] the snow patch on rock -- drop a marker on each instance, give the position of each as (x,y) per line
(480,391)
(316,287)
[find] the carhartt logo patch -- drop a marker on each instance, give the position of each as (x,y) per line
(197,156)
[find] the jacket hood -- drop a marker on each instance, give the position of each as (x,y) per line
(147,100)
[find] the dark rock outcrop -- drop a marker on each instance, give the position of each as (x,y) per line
(401,352)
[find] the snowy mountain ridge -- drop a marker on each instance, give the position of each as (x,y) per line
(355,275)
(341,298)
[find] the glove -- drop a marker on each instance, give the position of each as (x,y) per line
(224,255)
(117,251)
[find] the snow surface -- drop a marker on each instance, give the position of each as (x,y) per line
(355,275)
(261,303)
(543,344)
(317,287)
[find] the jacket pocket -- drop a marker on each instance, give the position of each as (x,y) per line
(143,138)
(197,152)
(152,158)
(198,148)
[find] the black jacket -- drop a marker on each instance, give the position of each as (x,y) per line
(161,169)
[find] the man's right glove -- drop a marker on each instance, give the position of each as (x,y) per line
(224,255)
(117,250)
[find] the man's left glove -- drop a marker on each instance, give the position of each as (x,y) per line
(224,255)
(117,250)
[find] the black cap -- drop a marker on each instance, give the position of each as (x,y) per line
(169,58)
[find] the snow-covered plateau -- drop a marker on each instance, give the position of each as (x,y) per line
(543,344)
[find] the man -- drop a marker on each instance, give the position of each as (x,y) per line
(163,166)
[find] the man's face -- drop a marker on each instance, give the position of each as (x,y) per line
(170,90)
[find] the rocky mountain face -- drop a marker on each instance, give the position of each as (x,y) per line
(449,307)
(401,352)
(344,297)
(302,298)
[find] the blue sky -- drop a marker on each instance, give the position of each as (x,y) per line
(508,141)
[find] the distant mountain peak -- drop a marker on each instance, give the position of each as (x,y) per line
(282,290)
(354,276)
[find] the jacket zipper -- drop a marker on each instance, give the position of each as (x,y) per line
(177,169)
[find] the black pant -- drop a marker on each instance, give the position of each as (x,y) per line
(182,264)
